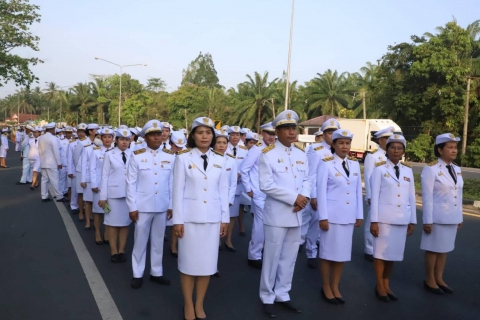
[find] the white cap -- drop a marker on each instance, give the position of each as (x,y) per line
(221,133)
(383,133)
(342,134)
(29,127)
(5,130)
(267,127)
(167,125)
(233,129)
(81,126)
(446,137)
(50,125)
(185,131)
(251,136)
(68,129)
(202,121)
(134,131)
(152,126)
(225,127)
(39,129)
(286,118)
(330,124)
(92,126)
(318,133)
(123,127)
(122,133)
(107,131)
(178,139)
(397,138)
(244,130)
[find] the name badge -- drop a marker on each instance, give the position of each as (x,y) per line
(338,174)
(280,160)
(239,157)
(440,174)
(300,162)
(386,175)
(355,174)
(406,179)
(459,173)
(165,162)
(217,166)
(228,169)
(144,160)
(192,167)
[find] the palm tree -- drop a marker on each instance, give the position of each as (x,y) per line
(83,100)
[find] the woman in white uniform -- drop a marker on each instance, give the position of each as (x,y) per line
(34,156)
(442,189)
(4,148)
(113,192)
(221,145)
(200,213)
(392,212)
(95,170)
(340,208)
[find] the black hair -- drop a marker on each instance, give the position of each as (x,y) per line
(332,149)
(135,136)
(388,146)
(191,142)
(116,139)
(87,132)
(248,140)
(438,146)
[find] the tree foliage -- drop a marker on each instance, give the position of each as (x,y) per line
(201,72)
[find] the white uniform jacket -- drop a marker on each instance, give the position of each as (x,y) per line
(249,170)
(33,149)
(150,180)
(316,152)
(70,162)
(339,197)
(49,150)
(200,196)
(441,197)
(370,161)
(392,198)
(85,162)
(25,145)
(283,176)
(232,174)
(134,146)
(113,184)
(96,166)
(4,140)
(241,152)
(63,151)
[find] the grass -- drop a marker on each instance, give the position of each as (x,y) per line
(471,187)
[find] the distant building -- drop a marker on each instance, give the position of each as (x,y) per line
(22,118)
(313,125)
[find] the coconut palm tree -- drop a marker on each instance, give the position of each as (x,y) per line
(84,101)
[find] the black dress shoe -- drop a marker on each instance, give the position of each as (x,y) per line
(32,188)
(381,298)
(242,233)
(340,300)
(106,241)
(312,263)
(74,211)
(46,200)
(65,195)
(368,257)
(20,183)
(173,254)
(88,228)
(269,310)
(445,289)
(231,249)
(217,274)
(115,258)
(432,290)
(136,283)
(257,264)
(288,305)
(331,301)
(392,297)
(300,248)
(160,280)
(99,242)
(122,257)
(62,200)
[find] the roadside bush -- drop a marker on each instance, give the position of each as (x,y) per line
(420,149)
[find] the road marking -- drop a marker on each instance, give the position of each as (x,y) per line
(472,170)
(106,305)
(419,204)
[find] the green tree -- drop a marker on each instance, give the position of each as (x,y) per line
(155,85)
(16,17)
(188,100)
(133,110)
(201,72)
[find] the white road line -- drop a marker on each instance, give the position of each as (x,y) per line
(419,204)
(106,305)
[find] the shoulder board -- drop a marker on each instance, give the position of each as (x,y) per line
(374,151)
(139,151)
(168,151)
(243,147)
(259,144)
(326,159)
(184,151)
(270,147)
(231,155)
(138,142)
(433,163)
(381,163)
(96,148)
(455,164)
(298,147)
(216,152)
(318,148)
(406,164)
(83,139)
(72,141)
(88,145)
(352,159)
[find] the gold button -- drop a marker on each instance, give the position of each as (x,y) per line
(155,163)
(205,189)
(398,184)
(297,188)
(155,183)
(155,193)
(348,202)
(295,176)
(398,205)
(204,201)
(348,192)
(455,205)
(292,165)
(348,182)
(398,195)
(455,196)
(205,178)
(162,165)
(155,173)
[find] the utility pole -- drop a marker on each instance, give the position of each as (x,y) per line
(287,94)
(273,107)
(364,108)
(186,123)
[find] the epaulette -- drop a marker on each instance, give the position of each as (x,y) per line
(455,164)
(406,164)
(381,163)
(168,151)
(88,145)
(96,148)
(433,163)
(243,147)
(231,155)
(326,159)
(259,144)
(318,148)
(72,141)
(138,142)
(374,151)
(183,151)
(352,159)
(82,139)
(270,147)
(216,152)
(139,151)
(298,147)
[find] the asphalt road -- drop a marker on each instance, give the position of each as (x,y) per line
(42,278)
(467,173)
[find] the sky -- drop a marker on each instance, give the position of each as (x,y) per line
(243,36)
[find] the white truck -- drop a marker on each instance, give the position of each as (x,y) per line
(363,131)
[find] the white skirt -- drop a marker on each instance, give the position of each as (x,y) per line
(3,152)
(234,209)
(35,163)
(88,193)
(441,239)
(336,243)
(390,244)
(78,179)
(118,216)
(95,207)
(245,199)
(198,249)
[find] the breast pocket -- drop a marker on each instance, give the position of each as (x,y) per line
(281,169)
(165,166)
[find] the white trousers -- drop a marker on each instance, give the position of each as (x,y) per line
(50,182)
(27,172)
(255,246)
(17,146)
(368,245)
(310,231)
(73,194)
(62,180)
(149,225)
(279,256)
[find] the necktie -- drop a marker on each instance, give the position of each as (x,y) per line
(205,163)
(344,165)
(124,158)
(452,173)
(35,140)
(397,171)
(234,151)
(164,145)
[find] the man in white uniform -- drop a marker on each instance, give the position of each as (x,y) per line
(149,199)
(27,171)
(71,167)
(50,163)
(250,181)
(18,138)
(370,161)
(167,129)
(283,171)
(64,139)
